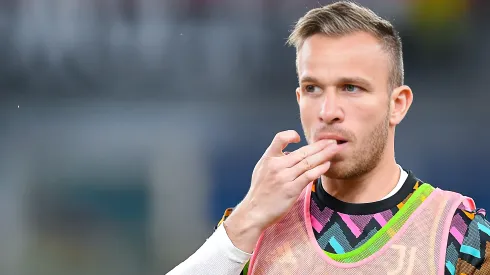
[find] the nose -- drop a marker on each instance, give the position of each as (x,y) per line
(331,111)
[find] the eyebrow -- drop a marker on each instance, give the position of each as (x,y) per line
(308,79)
(344,80)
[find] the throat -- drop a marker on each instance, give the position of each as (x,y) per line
(371,187)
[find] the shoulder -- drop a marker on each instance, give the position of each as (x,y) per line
(469,238)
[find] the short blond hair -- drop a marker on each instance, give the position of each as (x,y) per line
(344,17)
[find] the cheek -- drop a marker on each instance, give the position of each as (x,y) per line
(308,113)
(363,118)
(369,109)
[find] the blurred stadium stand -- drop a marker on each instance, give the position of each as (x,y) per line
(128,126)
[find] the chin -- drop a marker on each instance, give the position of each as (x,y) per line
(341,170)
(336,170)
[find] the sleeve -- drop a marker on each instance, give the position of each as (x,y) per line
(217,256)
(468,250)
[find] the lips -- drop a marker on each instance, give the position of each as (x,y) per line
(339,139)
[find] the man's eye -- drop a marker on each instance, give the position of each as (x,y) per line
(310,88)
(351,88)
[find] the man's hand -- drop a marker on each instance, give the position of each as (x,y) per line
(277,181)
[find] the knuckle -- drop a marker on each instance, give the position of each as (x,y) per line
(279,136)
(280,178)
(307,151)
(306,164)
(309,176)
(287,132)
(290,191)
(299,156)
(273,167)
(302,153)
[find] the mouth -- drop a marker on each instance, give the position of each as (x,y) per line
(340,142)
(339,139)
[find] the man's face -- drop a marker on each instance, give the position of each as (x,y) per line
(344,95)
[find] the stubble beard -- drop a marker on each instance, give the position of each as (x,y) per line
(364,158)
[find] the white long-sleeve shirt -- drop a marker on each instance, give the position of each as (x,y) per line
(217,256)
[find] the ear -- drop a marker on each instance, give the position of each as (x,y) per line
(298,94)
(400,101)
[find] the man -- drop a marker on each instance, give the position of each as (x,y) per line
(342,205)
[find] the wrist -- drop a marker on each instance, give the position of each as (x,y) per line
(242,230)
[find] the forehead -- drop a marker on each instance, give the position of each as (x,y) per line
(354,55)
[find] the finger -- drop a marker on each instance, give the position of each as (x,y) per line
(312,162)
(281,141)
(295,157)
(304,179)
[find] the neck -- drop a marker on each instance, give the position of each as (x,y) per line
(369,187)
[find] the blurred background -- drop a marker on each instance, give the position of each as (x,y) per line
(128,126)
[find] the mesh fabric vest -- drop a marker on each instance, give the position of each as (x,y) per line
(412,242)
